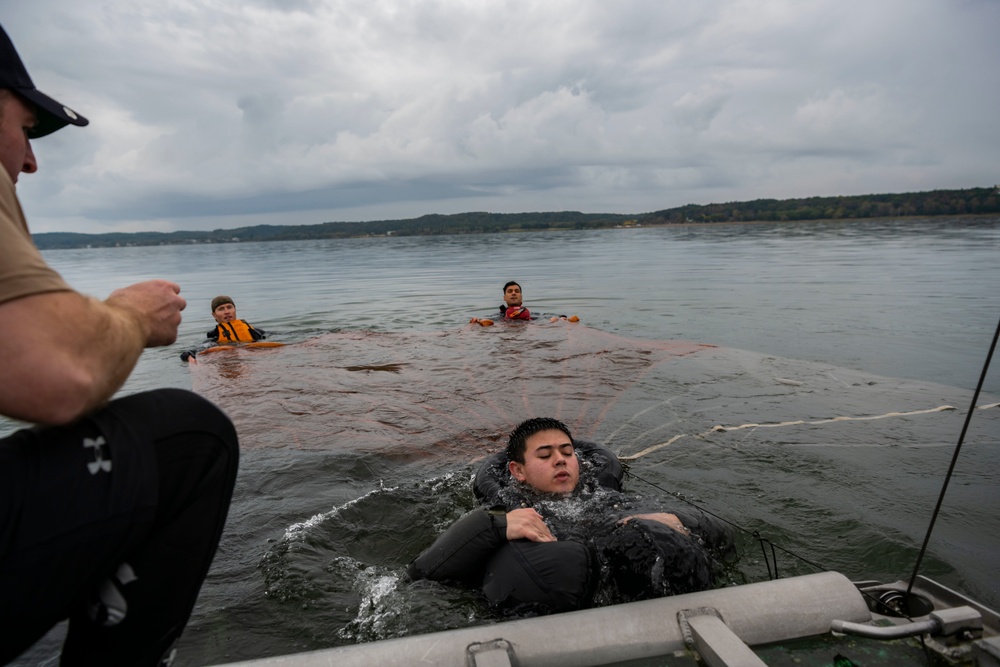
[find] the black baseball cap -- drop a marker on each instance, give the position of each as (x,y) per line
(52,115)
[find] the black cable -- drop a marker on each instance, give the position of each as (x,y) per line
(767,562)
(954,460)
(764,542)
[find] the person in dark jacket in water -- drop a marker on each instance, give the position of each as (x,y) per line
(228,330)
(513,303)
(513,308)
(556,532)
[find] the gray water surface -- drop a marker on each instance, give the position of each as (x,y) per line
(359,439)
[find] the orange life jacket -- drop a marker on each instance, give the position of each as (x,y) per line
(237,331)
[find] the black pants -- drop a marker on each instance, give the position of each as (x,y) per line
(145,482)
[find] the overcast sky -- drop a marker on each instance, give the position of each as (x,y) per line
(213,114)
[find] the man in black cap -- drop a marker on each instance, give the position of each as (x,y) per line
(110,512)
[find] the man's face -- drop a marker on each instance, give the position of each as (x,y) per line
(512,296)
(15,151)
(226,312)
(550,463)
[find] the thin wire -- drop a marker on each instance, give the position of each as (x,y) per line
(954,460)
(764,542)
(767,561)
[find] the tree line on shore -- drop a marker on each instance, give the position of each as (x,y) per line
(970,201)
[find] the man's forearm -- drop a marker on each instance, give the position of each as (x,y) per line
(68,354)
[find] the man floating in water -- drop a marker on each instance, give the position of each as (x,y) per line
(229,329)
(556,533)
(513,307)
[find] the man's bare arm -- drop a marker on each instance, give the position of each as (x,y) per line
(66,354)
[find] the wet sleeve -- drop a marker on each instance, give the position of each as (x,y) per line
(491,478)
(255,333)
(713,533)
(462,552)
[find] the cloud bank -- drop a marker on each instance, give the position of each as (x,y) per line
(225,113)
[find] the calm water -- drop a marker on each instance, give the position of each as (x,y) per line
(359,439)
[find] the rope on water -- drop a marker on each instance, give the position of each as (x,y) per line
(769,548)
(649,450)
(798,422)
(940,408)
(771,559)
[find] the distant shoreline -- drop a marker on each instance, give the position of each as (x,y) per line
(651,225)
(905,218)
(971,203)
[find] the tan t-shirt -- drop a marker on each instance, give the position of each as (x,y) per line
(23,272)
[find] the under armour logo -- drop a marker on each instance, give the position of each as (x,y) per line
(100,448)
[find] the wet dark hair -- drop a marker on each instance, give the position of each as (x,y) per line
(528,428)
(512,282)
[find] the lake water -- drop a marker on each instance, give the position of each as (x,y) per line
(359,439)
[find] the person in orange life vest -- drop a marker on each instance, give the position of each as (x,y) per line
(230,329)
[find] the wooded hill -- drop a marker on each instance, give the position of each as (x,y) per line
(972,201)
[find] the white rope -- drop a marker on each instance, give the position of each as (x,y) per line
(632,457)
(834,419)
(724,429)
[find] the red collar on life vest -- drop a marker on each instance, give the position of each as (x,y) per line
(517,313)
